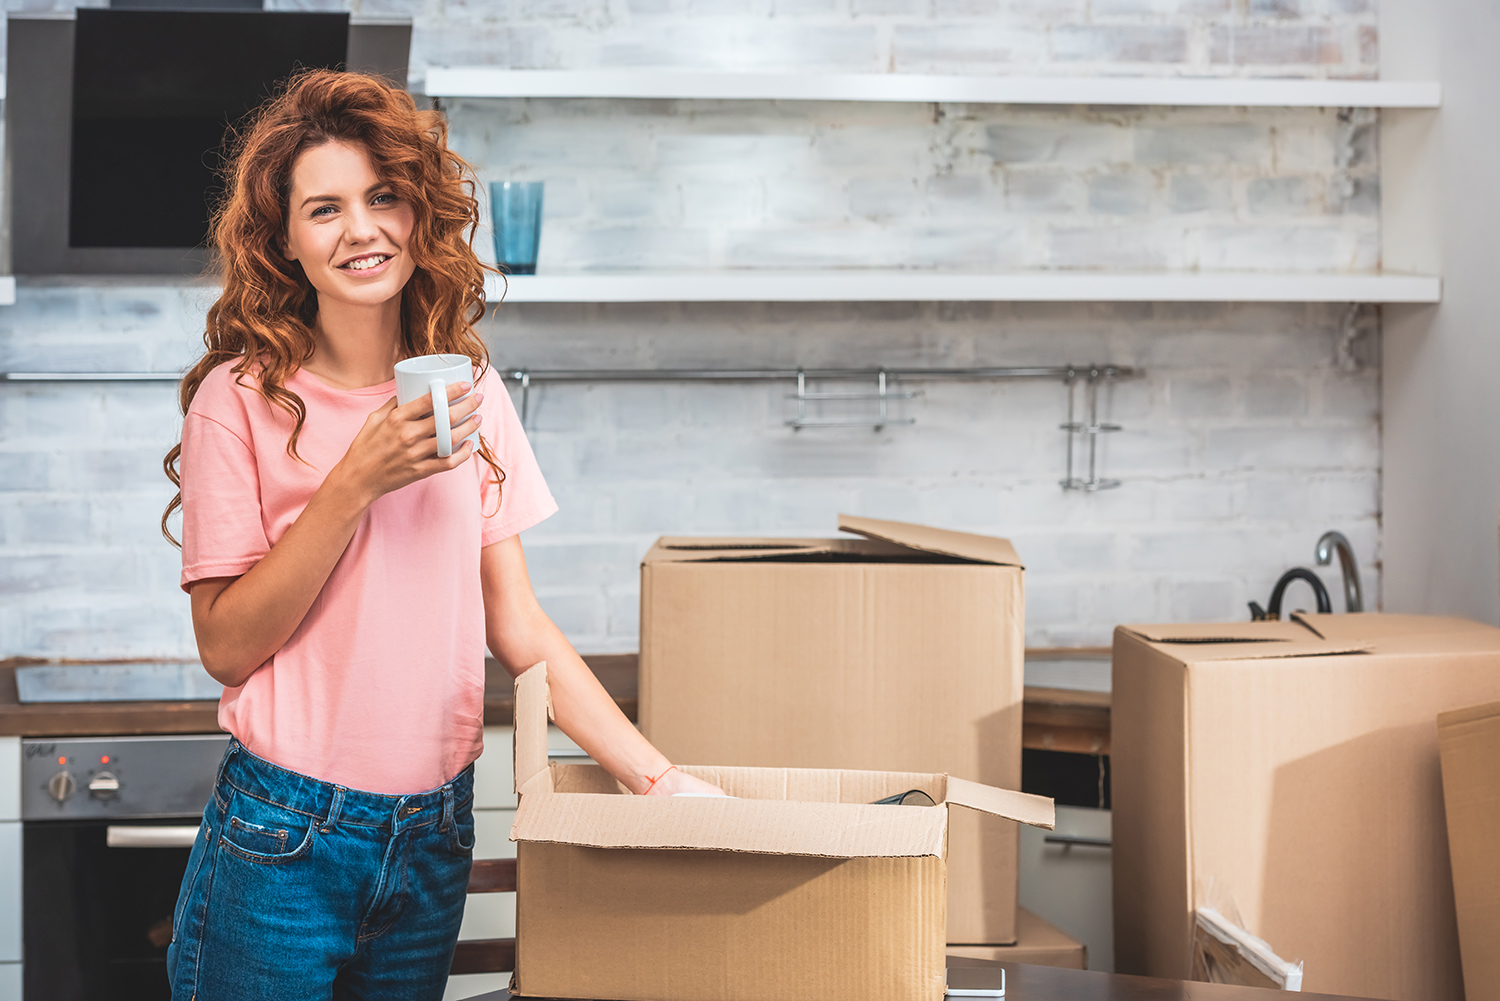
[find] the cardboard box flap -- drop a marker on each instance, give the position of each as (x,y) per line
(1433,633)
(1205,641)
(674,549)
(692,549)
(1468,714)
(770,827)
(529,736)
(1038,811)
(963,545)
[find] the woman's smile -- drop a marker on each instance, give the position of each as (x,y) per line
(367,265)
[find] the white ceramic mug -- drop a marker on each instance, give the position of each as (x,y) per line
(433,374)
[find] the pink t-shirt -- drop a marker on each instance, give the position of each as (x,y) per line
(381,687)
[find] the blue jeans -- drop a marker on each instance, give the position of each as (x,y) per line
(299,889)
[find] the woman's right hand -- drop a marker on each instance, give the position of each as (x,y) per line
(398,444)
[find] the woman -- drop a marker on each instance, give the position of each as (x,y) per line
(344,578)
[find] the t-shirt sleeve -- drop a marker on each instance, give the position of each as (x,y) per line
(223,534)
(524,499)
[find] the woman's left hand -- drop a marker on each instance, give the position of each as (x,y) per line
(677,780)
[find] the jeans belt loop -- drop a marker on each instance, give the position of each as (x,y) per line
(447,808)
(333,809)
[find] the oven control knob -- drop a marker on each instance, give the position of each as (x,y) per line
(62,785)
(104,786)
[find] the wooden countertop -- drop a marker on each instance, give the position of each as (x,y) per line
(1051,718)
(88,719)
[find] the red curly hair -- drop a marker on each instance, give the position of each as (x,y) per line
(264,319)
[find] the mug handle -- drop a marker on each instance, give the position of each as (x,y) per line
(439,390)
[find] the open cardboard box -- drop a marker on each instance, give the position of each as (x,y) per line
(1286,774)
(798,890)
(899,649)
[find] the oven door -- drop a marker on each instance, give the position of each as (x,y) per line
(97,904)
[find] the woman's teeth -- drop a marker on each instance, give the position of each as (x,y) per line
(367,262)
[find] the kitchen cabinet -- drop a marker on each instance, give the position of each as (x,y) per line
(1066,878)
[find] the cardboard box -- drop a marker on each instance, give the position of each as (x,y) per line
(1224,953)
(1469,743)
(1038,942)
(799,890)
(899,650)
(1286,774)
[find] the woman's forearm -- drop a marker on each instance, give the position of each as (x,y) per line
(582,708)
(239,626)
(520,634)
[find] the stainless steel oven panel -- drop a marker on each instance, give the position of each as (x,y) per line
(70,778)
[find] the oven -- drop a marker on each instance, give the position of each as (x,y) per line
(106,827)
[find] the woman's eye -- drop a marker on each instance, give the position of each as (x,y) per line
(321,210)
(384,198)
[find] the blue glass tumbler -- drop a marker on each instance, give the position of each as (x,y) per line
(516,213)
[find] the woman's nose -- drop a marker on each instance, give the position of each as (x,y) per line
(361,226)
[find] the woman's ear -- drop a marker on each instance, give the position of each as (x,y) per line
(285,246)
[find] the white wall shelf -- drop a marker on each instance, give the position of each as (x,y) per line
(480,81)
(929,286)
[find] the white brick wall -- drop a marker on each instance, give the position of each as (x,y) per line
(1244,441)
(684,184)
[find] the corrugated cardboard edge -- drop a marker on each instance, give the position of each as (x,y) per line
(1199,642)
(1468,714)
(758,827)
(1038,811)
(529,736)
(964,545)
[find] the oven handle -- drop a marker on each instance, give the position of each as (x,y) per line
(120,836)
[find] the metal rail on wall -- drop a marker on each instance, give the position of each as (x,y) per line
(1090,377)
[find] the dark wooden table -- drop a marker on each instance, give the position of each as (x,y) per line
(1046,983)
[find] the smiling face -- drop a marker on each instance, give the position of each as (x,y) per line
(347,228)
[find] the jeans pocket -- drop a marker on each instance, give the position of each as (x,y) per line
(461,833)
(190,876)
(262,832)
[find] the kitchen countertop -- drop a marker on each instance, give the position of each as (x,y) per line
(1059,719)
(83,719)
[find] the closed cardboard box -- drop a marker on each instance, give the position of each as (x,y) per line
(1038,942)
(799,890)
(1469,741)
(1286,774)
(899,650)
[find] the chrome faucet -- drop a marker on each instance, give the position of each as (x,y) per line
(1353,598)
